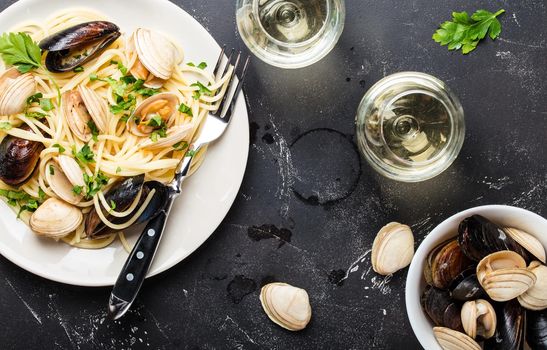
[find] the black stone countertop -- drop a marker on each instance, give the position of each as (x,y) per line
(309,207)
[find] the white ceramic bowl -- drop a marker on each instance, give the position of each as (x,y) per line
(415,283)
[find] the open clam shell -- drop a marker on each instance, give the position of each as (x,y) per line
(479,319)
(504,275)
(157,57)
(392,249)
(71,169)
(528,242)
(162,105)
(450,339)
(55,218)
(535,298)
(15,88)
(60,184)
(285,305)
(79,107)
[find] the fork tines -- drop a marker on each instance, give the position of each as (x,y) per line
(234,85)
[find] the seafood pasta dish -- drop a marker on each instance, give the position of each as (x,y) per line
(92,116)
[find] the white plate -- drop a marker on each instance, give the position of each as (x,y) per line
(207,195)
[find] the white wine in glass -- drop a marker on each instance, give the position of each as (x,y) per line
(290,33)
(410,126)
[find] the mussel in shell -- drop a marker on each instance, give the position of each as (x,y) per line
(466,286)
(444,263)
(479,237)
(510,327)
(122,195)
(442,310)
(536,329)
(18,159)
(78,44)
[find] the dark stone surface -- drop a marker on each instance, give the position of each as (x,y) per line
(211,300)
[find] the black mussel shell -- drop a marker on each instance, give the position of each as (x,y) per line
(122,194)
(442,310)
(444,263)
(78,44)
(510,327)
(536,329)
(479,237)
(18,159)
(466,287)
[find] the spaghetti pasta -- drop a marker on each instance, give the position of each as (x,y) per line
(115,152)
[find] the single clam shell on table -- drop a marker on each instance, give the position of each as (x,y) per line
(286,305)
(392,249)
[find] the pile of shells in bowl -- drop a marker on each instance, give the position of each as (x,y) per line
(488,285)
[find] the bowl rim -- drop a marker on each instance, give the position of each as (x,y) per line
(415,277)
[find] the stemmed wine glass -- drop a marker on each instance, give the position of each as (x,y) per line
(290,33)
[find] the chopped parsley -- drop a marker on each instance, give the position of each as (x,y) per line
(202,90)
(5,126)
(41,193)
(94,130)
(185,109)
(77,190)
(94,184)
(180,146)
(122,68)
(35,115)
(78,69)
(22,199)
(93,77)
(34,98)
(202,65)
(46,105)
(191,153)
(118,169)
(51,170)
(61,148)
(84,156)
(112,205)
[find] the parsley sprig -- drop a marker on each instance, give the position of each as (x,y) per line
(23,200)
(465,32)
(19,50)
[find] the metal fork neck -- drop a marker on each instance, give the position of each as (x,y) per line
(182,169)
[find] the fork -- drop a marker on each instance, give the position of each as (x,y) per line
(134,271)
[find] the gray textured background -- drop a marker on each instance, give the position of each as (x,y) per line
(309,208)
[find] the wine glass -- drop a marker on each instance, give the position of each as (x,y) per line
(410,126)
(290,33)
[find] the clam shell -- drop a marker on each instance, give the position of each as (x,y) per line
(535,298)
(285,305)
(55,218)
(172,100)
(392,249)
(156,53)
(478,318)
(76,115)
(528,242)
(504,275)
(60,184)
(453,340)
(14,91)
(72,170)
(96,106)
(174,134)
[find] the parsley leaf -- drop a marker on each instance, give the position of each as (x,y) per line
(122,68)
(93,77)
(34,98)
(5,126)
(465,32)
(23,199)
(41,193)
(51,170)
(112,205)
(191,153)
(61,148)
(18,49)
(35,115)
(94,130)
(94,184)
(118,169)
(77,190)
(185,109)
(202,65)
(180,146)
(46,105)
(78,69)
(84,156)
(202,90)
(156,134)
